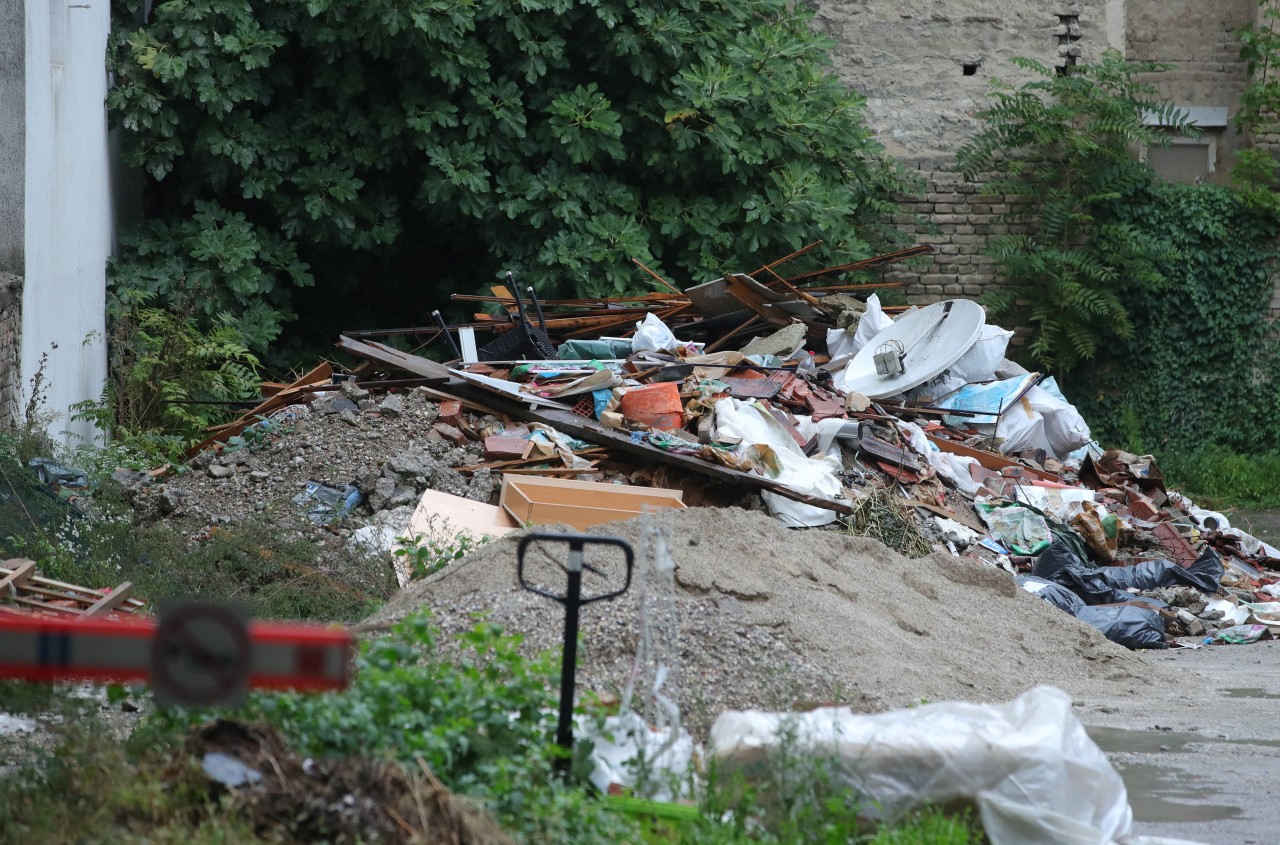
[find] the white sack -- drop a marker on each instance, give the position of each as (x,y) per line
(755,426)
(983,358)
(1034,774)
(840,342)
(870,324)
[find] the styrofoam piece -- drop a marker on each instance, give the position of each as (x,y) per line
(933,338)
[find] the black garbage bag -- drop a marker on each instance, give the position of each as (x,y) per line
(1205,574)
(1061,566)
(1055,594)
(1128,625)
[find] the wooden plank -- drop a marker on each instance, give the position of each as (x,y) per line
(323,372)
(109,602)
(550,470)
(18,576)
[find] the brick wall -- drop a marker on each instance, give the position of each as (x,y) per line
(952,216)
(10,348)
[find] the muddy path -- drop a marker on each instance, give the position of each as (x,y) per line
(1200,761)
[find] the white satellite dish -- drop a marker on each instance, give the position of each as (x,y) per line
(924,343)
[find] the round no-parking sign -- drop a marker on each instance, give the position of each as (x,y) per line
(200,654)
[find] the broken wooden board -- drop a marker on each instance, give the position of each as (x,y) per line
(534,500)
(23,591)
(582,428)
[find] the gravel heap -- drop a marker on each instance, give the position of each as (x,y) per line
(772,618)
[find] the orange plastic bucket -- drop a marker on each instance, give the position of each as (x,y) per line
(655,405)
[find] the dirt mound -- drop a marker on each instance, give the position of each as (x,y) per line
(771,617)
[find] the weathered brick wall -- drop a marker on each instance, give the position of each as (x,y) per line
(1200,40)
(953,217)
(10,349)
(925,67)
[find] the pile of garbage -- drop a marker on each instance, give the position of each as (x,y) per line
(831,399)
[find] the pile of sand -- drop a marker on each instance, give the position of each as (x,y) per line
(773,618)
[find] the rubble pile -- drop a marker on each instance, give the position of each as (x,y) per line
(807,399)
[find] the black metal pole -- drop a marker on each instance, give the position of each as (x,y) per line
(573,601)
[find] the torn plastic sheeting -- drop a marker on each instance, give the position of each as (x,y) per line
(1041,419)
(755,427)
(625,742)
(954,468)
(1231,612)
(327,502)
(1055,594)
(1054,501)
(1264,612)
(1022,530)
(1205,574)
(1241,635)
(1028,765)
(1127,625)
(1143,628)
(988,400)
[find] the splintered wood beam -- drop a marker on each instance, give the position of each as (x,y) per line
(566,421)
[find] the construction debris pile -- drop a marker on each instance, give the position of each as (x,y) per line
(819,400)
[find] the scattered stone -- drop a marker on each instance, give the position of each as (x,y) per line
(353,391)
(392,406)
(351,418)
(221,471)
(779,344)
(171,500)
(130,480)
(333,403)
(380,496)
(258,476)
(367,405)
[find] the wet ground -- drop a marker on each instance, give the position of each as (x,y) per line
(1201,763)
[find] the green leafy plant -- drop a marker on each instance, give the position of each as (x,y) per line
(1061,149)
(1258,114)
(168,379)
(435,548)
(423,148)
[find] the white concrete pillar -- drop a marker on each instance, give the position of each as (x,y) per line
(68,231)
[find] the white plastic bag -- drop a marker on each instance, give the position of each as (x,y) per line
(840,342)
(625,745)
(652,335)
(984,357)
(1034,774)
(872,322)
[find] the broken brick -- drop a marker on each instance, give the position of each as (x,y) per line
(450,433)
(451,412)
(505,448)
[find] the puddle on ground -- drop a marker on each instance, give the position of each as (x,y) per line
(1248,692)
(1124,740)
(1158,794)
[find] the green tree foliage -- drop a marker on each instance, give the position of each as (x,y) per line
(1061,149)
(394,152)
(1200,369)
(1255,171)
